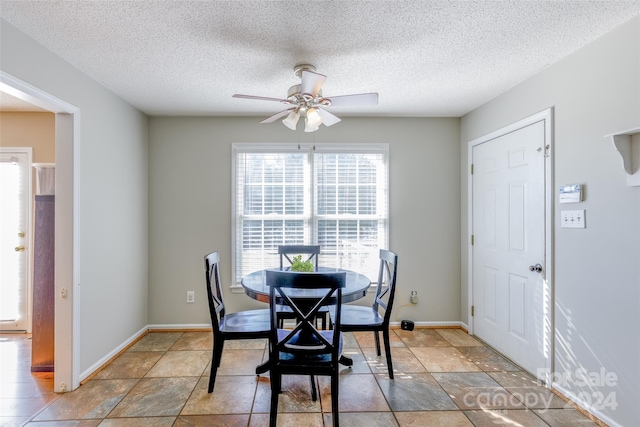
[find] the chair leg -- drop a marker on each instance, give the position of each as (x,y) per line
(218,345)
(387,350)
(212,377)
(276,380)
(314,391)
(334,400)
(377,339)
(219,353)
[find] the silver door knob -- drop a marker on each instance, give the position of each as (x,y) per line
(537,268)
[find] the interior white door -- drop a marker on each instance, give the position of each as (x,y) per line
(14,238)
(510,301)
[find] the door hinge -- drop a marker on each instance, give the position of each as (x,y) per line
(473,310)
(472,240)
(471,168)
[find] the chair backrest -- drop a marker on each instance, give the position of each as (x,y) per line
(383,299)
(310,252)
(292,289)
(214,289)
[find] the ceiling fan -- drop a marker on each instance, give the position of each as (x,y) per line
(305,99)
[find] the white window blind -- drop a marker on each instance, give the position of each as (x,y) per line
(335,196)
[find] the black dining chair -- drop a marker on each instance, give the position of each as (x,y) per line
(305,349)
(250,324)
(375,318)
(309,253)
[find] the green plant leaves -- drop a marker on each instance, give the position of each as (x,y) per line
(299,265)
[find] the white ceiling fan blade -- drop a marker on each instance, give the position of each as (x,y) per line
(277,116)
(260,98)
(354,100)
(312,82)
(328,119)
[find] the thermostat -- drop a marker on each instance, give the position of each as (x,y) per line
(571,193)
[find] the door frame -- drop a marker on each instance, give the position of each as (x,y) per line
(67,223)
(545,116)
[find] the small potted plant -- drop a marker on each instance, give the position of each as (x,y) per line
(299,265)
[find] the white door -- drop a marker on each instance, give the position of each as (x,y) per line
(15,238)
(510,298)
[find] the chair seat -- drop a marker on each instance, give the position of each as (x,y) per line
(246,322)
(357,315)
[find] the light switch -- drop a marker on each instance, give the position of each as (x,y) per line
(572,219)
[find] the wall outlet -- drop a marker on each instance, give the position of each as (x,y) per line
(191,297)
(414,297)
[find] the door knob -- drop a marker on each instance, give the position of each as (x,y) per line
(537,268)
(19,248)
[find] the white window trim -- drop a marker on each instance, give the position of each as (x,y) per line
(239,147)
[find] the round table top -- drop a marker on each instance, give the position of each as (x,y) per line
(255,285)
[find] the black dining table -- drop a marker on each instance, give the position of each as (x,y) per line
(255,285)
(356,286)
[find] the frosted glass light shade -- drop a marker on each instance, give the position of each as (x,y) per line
(292,120)
(313,120)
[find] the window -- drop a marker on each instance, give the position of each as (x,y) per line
(335,196)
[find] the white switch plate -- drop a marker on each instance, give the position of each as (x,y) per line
(191,297)
(572,219)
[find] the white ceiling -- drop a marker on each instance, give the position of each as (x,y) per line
(424,58)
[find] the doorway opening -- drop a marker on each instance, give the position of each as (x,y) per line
(67,155)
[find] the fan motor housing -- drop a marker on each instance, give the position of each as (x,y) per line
(293,90)
(298,69)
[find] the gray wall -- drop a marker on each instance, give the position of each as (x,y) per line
(190,207)
(113,195)
(594,92)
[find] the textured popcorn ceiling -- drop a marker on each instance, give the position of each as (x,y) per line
(424,58)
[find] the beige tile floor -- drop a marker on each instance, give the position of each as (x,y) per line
(443,377)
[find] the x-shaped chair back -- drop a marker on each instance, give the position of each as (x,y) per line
(286,252)
(290,289)
(386,274)
(214,290)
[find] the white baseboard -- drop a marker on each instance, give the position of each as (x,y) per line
(179,327)
(112,353)
(571,396)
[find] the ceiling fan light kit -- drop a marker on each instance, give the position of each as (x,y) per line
(292,120)
(305,99)
(313,120)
